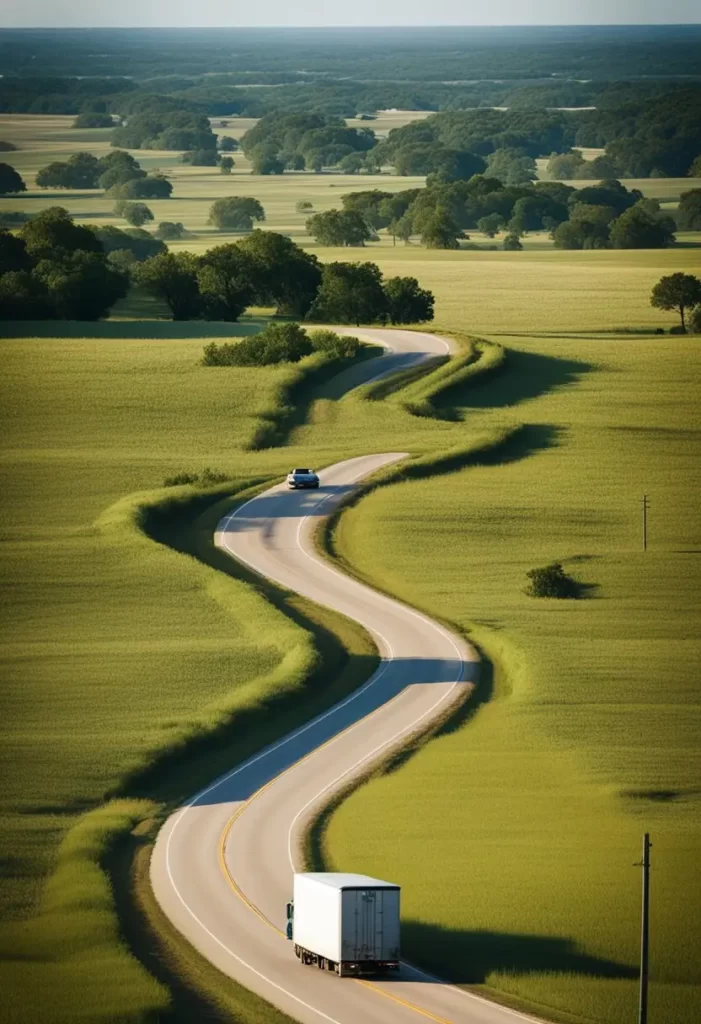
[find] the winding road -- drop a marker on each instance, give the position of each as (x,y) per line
(223,863)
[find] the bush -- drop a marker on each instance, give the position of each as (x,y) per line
(512,243)
(278,343)
(551,581)
(207,478)
(342,346)
(226,164)
(303,206)
(154,186)
(170,230)
(677,329)
(7,147)
(135,214)
(695,321)
(200,157)
(92,120)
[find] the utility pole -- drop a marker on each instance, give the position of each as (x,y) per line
(645,508)
(644,930)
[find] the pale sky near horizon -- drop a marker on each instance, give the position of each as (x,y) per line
(269,13)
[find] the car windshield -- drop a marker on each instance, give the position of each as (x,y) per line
(302,471)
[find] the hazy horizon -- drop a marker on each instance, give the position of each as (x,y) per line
(365,13)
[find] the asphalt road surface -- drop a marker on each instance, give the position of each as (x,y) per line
(223,863)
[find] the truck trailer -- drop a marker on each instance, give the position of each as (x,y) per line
(345,923)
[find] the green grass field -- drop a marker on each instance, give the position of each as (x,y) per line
(531,815)
(117,649)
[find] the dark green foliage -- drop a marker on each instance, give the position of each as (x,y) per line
(303,206)
(10,181)
(607,193)
(511,166)
(551,581)
(679,292)
(351,293)
(154,186)
(135,214)
(437,227)
(173,278)
(512,243)
(52,235)
(340,346)
(7,147)
(139,243)
(170,230)
(265,160)
(226,281)
(353,163)
(695,320)
(201,157)
(117,168)
(226,164)
(93,120)
(13,253)
(277,343)
(207,478)
(688,213)
(236,213)
(298,140)
(369,205)
(490,224)
(226,144)
(407,302)
(284,274)
(173,130)
(639,229)
(81,171)
(340,227)
(82,286)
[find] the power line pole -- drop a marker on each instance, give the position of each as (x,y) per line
(644,930)
(646,505)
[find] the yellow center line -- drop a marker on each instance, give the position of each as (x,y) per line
(403,1002)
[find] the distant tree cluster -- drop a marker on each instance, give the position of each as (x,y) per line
(93,119)
(55,269)
(118,173)
(310,141)
(266,269)
(178,130)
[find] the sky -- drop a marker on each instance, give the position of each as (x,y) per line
(208,13)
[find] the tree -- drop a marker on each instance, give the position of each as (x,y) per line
(10,181)
(689,210)
(236,213)
(437,228)
(173,278)
(140,244)
(91,119)
(407,303)
(352,163)
(564,166)
(226,164)
(277,343)
(265,160)
(339,227)
(512,243)
(169,230)
(490,224)
(52,235)
(511,167)
(607,193)
(117,168)
(679,292)
(13,253)
(695,320)
(81,171)
(82,286)
(638,229)
(200,157)
(350,292)
(369,204)
(22,297)
(303,206)
(135,214)
(155,186)
(227,144)
(225,277)
(283,273)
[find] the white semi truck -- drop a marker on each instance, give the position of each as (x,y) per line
(345,923)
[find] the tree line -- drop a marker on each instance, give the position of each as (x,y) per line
(55,269)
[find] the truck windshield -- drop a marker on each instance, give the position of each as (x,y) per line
(301,471)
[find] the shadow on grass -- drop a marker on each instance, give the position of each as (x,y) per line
(522,375)
(469,957)
(119,330)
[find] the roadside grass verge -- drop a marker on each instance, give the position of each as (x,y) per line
(534,813)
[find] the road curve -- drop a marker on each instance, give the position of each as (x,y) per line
(222,865)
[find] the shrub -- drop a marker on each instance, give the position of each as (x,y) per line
(170,230)
(342,346)
(551,581)
(278,343)
(695,321)
(200,157)
(135,214)
(226,164)
(7,147)
(154,186)
(207,478)
(677,329)
(512,243)
(303,206)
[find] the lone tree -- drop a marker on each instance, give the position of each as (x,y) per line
(677,291)
(10,181)
(407,303)
(225,164)
(236,213)
(340,227)
(135,214)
